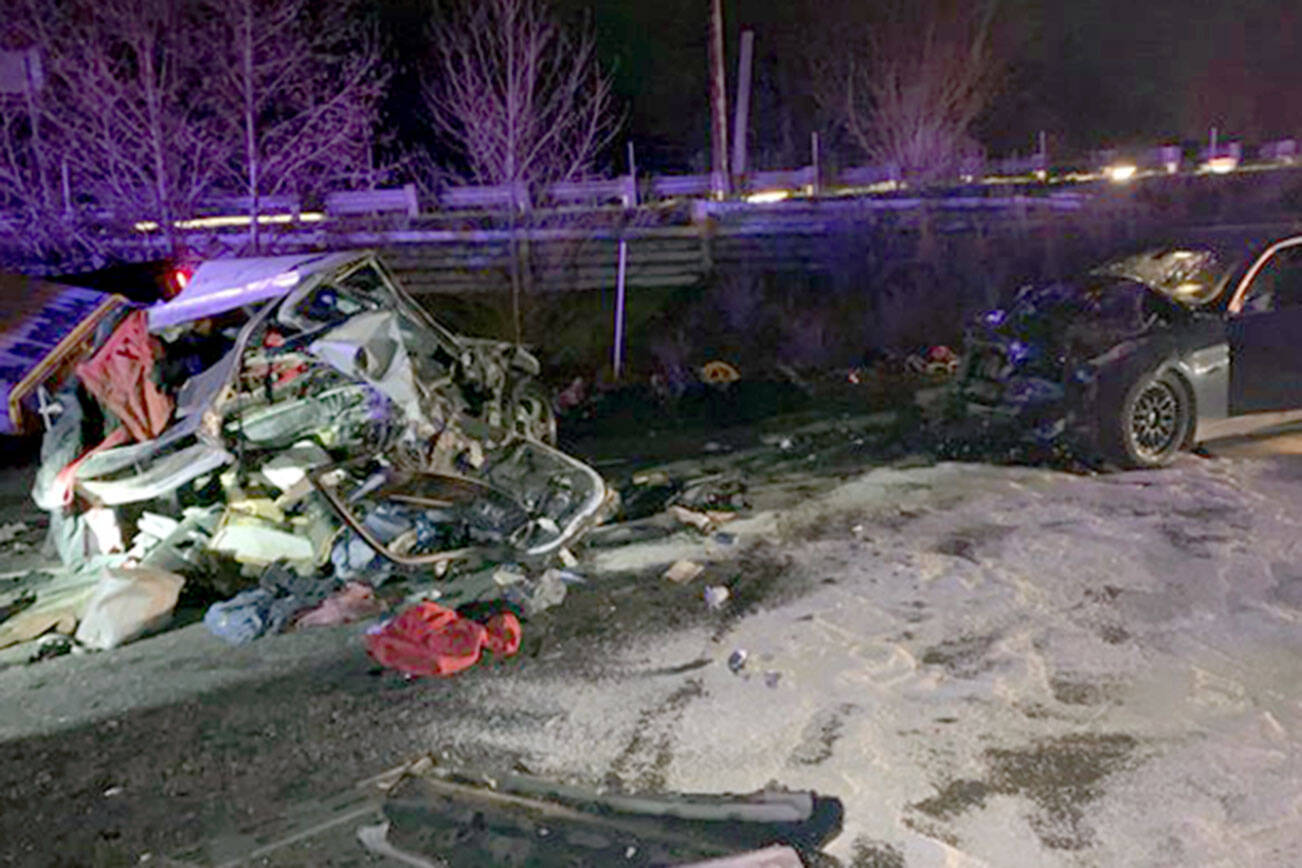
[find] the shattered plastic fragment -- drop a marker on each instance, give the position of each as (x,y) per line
(715,596)
(534,596)
(682,572)
(698,520)
(59,605)
(737,660)
(256,541)
(166,475)
(289,468)
(104,534)
(776,856)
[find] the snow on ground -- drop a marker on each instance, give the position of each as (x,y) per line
(993,666)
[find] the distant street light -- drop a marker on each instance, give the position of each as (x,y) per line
(1120,173)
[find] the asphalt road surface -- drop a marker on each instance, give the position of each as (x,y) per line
(989,665)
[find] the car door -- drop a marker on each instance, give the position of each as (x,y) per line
(1265,334)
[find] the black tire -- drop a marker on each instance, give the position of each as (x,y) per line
(1150,425)
(531,412)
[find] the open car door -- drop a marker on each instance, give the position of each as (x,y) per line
(1265,334)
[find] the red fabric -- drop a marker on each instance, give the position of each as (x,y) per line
(428,639)
(118,376)
(503,634)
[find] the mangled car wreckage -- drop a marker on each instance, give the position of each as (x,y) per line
(303,414)
(1145,355)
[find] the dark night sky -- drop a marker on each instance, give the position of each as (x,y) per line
(1094,73)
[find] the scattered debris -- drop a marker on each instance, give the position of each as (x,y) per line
(715,597)
(719,373)
(737,660)
(777,856)
(682,572)
(692,518)
(127,603)
(723,493)
(356,601)
(534,596)
(22,600)
(457,818)
(54,645)
(59,605)
(281,594)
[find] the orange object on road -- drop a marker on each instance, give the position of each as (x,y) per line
(717,372)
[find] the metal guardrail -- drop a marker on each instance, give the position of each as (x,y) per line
(868,176)
(244,204)
(680,241)
(400,199)
(440,254)
(622,189)
(678,186)
(502,196)
(1284,151)
(805,178)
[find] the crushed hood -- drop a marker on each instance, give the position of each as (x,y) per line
(221,285)
(1190,276)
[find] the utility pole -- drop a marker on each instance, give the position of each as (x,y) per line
(719,175)
(742,121)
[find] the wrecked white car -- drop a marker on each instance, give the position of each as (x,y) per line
(303,412)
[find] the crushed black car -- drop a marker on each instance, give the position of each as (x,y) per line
(1147,354)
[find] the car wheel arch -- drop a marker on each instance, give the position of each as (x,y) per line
(1190,395)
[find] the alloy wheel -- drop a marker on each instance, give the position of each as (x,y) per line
(1156,420)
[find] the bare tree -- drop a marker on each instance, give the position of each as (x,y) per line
(910,84)
(299,88)
(138,129)
(26,184)
(523,99)
(32,172)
